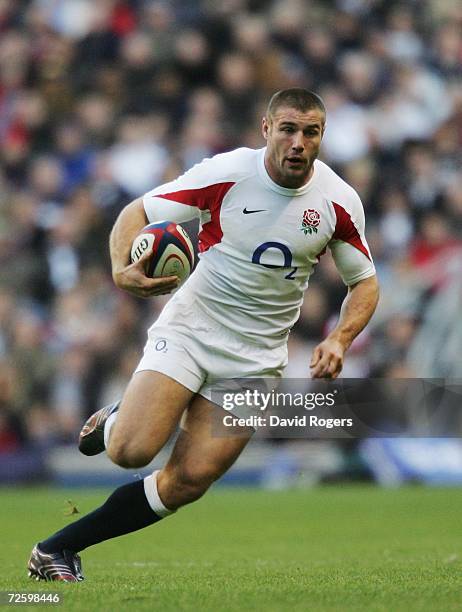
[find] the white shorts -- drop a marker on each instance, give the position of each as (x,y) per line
(189,346)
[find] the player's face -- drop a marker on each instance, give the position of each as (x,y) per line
(293,140)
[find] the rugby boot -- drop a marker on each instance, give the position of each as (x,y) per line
(91,437)
(64,566)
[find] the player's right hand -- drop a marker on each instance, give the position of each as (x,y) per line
(133,279)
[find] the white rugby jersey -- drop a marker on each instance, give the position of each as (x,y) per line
(259,242)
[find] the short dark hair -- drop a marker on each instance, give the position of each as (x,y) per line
(295,97)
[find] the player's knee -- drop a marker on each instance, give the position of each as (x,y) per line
(128,456)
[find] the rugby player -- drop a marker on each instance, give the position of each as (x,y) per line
(266,216)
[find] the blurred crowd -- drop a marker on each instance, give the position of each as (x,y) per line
(101,100)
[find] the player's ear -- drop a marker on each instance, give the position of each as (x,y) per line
(265,127)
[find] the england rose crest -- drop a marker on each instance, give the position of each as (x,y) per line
(310,222)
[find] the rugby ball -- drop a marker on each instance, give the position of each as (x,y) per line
(171,250)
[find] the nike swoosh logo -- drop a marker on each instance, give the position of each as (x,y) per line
(249,212)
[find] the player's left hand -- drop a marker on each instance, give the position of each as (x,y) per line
(327,359)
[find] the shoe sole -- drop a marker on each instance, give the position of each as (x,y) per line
(91,437)
(91,442)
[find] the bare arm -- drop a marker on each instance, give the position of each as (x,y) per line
(132,277)
(357,309)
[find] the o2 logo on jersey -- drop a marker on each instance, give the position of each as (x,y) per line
(286,253)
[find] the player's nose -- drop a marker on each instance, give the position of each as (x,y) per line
(298,144)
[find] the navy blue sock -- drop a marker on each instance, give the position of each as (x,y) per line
(126,510)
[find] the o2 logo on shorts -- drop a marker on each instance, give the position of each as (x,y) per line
(161,345)
(286,252)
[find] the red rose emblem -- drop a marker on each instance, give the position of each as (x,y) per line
(311,217)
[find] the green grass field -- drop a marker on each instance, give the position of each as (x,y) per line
(333,548)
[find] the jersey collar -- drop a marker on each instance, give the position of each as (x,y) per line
(265,177)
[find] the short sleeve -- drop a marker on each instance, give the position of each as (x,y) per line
(348,244)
